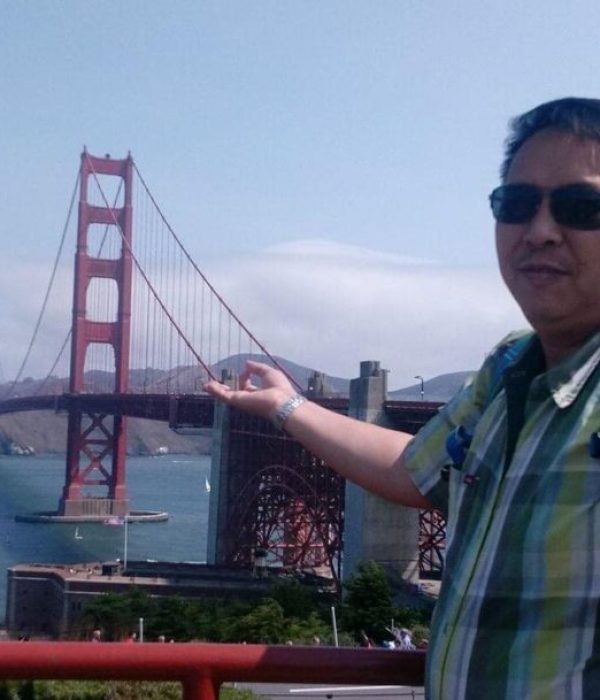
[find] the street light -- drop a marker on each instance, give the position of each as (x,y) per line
(418,376)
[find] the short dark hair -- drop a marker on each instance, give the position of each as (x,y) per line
(575,115)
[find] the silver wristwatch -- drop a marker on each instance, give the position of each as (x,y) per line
(286,409)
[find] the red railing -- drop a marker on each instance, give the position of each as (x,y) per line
(202,668)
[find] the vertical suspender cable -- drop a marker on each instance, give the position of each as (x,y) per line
(212,289)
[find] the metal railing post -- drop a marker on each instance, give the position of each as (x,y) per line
(200,687)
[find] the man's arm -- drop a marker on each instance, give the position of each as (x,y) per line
(366,454)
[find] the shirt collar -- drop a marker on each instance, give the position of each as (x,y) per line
(568,378)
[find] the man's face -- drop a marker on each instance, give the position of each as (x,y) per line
(553,272)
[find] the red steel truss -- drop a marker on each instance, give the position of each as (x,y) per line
(286,504)
(96,442)
(432,543)
(283,502)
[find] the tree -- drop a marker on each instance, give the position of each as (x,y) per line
(265,624)
(175,618)
(368,605)
(291,613)
(304,630)
(117,614)
(295,599)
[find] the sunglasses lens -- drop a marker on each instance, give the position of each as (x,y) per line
(577,208)
(515,204)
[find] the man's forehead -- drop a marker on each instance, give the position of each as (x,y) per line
(554,153)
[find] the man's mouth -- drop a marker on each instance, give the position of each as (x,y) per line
(542,272)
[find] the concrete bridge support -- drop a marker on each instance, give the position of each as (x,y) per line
(268,493)
(219,474)
(375,529)
(273,504)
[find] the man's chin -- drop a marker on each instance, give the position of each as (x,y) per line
(548,321)
(567,328)
(539,315)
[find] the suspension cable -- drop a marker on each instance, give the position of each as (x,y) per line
(146,279)
(42,386)
(55,363)
(210,286)
(48,290)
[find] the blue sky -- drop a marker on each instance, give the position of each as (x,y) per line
(326,163)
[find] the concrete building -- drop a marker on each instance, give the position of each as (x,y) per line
(49,600)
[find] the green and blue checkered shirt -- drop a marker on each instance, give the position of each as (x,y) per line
(519,609)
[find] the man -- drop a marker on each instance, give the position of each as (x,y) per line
(514,459)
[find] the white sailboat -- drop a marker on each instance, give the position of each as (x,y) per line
(206,484)
(77,536)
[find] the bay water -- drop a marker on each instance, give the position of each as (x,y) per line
(173,483)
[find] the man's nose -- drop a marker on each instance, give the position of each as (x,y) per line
(542,229)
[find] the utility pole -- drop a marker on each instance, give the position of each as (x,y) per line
(418,376)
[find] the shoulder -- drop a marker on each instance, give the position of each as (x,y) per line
(427,452)
(513,344)
(488,379)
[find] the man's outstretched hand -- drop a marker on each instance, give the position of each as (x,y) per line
(262,390)
(367,454)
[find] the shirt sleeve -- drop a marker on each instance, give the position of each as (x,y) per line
(426,454)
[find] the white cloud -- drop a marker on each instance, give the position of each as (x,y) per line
(317,303)
(22,289)
(330,306)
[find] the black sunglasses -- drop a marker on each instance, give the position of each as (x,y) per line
(571,206)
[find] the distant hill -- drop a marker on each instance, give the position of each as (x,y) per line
(301,374)
(440,388)
(46,433)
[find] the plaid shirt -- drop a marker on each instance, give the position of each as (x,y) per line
(518,614)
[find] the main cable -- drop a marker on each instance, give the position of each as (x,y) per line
(48,290)
(212,289)
(147,281)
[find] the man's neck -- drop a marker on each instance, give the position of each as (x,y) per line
(559,346)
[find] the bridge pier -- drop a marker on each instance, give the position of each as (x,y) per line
(96,443)
(272,503)
(219,475)
(375,529)
(263,481)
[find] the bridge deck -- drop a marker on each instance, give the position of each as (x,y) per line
(194,410)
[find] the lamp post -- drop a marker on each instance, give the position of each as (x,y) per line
(418,376)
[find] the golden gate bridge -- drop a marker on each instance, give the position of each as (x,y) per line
(147,330)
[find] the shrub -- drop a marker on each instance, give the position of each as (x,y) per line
(96,690)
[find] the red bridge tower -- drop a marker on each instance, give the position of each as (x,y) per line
(96,443)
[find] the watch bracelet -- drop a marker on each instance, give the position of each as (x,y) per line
(286,409)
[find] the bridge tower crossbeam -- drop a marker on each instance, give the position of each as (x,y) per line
(96,443)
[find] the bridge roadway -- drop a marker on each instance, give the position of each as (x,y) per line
(194,410)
